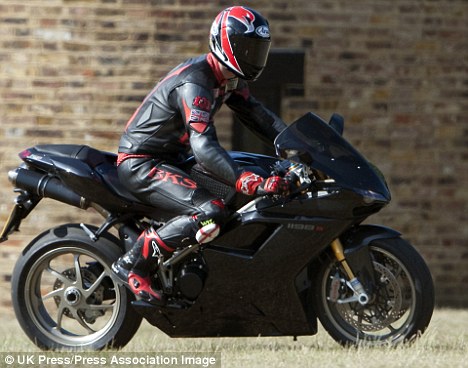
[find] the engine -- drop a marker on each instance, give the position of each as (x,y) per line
(191,278)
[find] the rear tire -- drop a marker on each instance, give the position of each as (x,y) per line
(63,294)
(401,304)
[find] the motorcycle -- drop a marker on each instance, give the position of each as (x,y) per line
(279,265)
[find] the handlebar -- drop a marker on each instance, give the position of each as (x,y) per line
(294,172)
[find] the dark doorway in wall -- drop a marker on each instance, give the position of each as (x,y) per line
(283,76)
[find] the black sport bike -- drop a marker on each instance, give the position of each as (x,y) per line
(279,264)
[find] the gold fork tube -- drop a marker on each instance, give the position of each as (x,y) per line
(339,254)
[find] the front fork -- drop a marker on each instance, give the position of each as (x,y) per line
(359,294)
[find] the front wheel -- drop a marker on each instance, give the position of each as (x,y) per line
(64,296)
(401,300)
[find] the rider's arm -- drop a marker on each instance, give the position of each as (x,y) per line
(195,104)
(263,122)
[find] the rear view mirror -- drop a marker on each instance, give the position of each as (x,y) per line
(337,123)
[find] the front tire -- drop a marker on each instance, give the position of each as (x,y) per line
(401,304)
(63,294)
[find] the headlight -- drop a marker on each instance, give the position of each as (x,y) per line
(369,197)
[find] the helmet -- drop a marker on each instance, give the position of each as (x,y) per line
(240,40)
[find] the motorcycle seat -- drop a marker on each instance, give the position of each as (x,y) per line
(104,163)
(89,155)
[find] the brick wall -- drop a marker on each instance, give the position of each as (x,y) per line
(74,71)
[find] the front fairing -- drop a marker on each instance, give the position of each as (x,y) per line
(312,141)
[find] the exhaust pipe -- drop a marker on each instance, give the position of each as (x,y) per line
(46,186)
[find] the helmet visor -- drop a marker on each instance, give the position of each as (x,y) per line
(251,54)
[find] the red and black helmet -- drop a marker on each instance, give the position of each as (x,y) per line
(240,40)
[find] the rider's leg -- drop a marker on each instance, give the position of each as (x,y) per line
(202,214)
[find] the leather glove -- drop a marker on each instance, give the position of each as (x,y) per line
(250,183)
(273,185)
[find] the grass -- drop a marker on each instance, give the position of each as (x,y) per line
(443,345)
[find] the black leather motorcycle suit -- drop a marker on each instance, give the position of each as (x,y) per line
(175,118)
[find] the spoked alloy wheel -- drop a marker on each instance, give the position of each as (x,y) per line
(64,296)
(401,302)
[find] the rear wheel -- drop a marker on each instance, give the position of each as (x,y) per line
(64,296)
(401,302)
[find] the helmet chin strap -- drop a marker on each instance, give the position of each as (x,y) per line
(232,84)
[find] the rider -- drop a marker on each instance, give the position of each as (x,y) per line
(177,116)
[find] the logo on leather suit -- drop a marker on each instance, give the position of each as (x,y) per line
(159,174)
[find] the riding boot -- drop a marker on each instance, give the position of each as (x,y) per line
(124,264)
(136,267)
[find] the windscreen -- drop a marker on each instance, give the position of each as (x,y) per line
(314,142)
